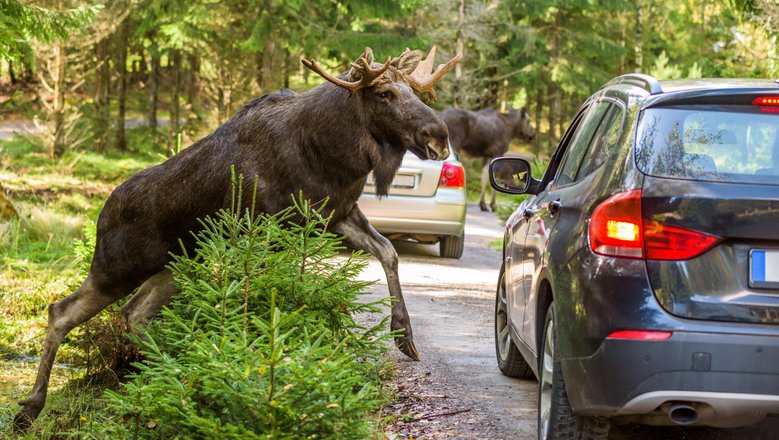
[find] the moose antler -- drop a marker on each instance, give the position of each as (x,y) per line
(367,75)
(422,81)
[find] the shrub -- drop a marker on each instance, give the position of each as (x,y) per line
(259,343)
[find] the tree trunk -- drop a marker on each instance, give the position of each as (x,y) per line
(60,64)
(539,107)
(552,90)
(459,48)
(639,47)
(102,110)
(154,75)
(141,67)
(561,117)
(267,63)
(29,75)
(287,68)
(193,88)
(174,100)
(225,95)
(193,92)
(259,75)
(11,72)
(551,97)
(121,67)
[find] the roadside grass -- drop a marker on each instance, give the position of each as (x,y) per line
(54,200)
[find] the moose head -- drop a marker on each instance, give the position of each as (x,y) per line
(396,117)
(520,123)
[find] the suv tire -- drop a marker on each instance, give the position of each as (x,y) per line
(556,420)
(451,246)
(510,360)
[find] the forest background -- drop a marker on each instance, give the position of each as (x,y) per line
(87,71)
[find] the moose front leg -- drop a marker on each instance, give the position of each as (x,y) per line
(360,234)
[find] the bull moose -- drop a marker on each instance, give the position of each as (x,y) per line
(322,142)
(486,134)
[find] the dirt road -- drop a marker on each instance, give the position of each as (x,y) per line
(456,390)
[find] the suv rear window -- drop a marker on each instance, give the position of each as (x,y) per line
(710,143)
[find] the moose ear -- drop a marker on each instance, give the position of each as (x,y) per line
(367,54)
(408,61)
(354,73)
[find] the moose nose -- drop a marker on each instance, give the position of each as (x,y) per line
(435,138)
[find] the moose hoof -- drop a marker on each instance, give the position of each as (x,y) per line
(407,347)
(492,208)
(483,207)
(29,412)
(23,419)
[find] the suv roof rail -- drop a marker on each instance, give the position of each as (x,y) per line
(647,82)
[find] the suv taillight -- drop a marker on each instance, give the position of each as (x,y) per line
(615,226)
(452,174)
(617,229)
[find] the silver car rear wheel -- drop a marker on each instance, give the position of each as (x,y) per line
(451,246)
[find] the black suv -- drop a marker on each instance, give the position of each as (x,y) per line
(640,280)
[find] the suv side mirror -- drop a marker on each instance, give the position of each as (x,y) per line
(512,175)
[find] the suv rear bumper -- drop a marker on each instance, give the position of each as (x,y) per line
(728,379)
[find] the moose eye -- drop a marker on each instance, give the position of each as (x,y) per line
(386,96)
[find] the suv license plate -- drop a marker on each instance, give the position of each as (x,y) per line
(764,269)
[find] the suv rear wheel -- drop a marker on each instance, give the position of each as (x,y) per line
(451,246)
(510,361)
(556,420)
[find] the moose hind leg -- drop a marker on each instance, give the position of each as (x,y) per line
(77,308)
(360,234)
(485,180)
(155,293)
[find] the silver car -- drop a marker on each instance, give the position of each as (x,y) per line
(426,203)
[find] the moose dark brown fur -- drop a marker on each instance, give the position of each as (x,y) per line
(486,134)
(323,143)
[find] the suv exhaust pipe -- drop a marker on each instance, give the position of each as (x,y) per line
(682,414)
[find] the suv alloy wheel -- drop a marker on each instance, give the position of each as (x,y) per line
(510,361)
(556,420)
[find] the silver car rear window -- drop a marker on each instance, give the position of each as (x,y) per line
(709,143)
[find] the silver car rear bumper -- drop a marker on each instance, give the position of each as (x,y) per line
(441,214)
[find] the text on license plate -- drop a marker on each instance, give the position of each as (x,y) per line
(763,268)
(400,181)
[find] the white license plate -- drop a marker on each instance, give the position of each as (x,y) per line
(400,181)
(764,269)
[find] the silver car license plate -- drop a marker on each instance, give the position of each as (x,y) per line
(764,269)
(400,181)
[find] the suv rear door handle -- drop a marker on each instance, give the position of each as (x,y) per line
(554,206)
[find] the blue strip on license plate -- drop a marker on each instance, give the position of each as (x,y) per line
(763,268)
